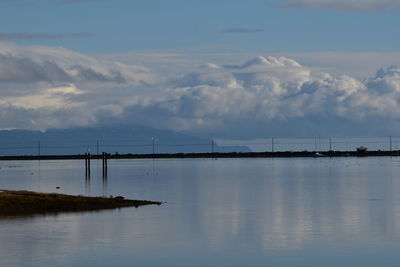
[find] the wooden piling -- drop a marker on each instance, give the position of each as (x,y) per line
(106,164)
(87,165)
(103,162)
(105,167)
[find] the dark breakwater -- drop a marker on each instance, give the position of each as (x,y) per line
(282,154)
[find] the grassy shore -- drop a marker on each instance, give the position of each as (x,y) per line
(16,203)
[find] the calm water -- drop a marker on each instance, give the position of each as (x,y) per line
(231,212)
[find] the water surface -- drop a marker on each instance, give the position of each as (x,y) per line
(225,212)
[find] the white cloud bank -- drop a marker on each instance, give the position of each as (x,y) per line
(45,87)
(345,5)
(269,95)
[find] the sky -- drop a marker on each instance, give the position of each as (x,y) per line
(228,69)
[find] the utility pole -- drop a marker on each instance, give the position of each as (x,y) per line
(212,145)
(319,138)
(330,143)
(315,143)
(390,143)
(272,145)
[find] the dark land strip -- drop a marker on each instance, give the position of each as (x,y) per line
(22,203)
(283,154)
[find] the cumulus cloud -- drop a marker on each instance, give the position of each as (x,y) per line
(344,5)
(275,95)
(44,87)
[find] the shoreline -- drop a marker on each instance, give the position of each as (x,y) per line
(280,154)
(25,203)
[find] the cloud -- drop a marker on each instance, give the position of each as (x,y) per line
(43,87)
(41,36)
(242,30)
(26,70)
(50,98)
(344,5)
(19,69)
(58,65)
(275,95)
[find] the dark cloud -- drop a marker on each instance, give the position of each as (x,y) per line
(21,69)
(242,30)
(89,75)
(41,36)
(25,70)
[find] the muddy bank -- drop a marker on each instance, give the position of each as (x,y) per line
(17,203)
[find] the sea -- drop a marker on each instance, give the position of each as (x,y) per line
(217,212)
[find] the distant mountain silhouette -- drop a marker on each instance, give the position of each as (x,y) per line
(116,139)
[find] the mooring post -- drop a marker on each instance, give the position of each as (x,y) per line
(89,163)
(105,169)
(105,178)
(102,159)
(87,173)
(106,163)
(86,164)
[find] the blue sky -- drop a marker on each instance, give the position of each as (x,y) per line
(125,25)
(227,69)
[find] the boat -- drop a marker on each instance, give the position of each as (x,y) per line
(361,149)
